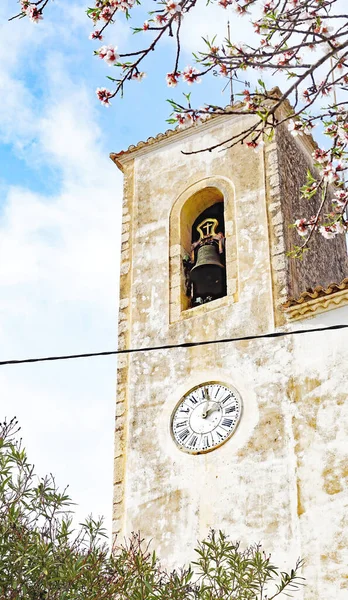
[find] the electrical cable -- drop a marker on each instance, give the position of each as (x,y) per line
(173,346)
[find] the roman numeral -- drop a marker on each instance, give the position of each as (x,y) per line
(206,442)
(185,410)
(181,424)
(227,422)
(226,398)
(230,409)
(192,441)
(183,435)
(217,391)
(193,399)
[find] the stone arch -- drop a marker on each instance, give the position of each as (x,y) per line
(186,208)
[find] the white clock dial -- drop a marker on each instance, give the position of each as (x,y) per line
(206,417)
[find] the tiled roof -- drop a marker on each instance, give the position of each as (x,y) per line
(317,292)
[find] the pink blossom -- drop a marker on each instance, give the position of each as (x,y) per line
(146,26)
(104,96)
(190,75)
(330,231)
(34,14)
(172,79)
(138,75)
(302,227)
(341,197)
(256,146)
(106,14)
(109,54)
(343,132)
(295,127)
(184,120)
(320,156)
(25,6)
(161,19)
(95,35)
(173,7)
(329,173)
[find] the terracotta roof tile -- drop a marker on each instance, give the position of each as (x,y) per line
(317,292)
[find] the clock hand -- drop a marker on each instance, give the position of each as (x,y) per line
(212,408)
(207,401)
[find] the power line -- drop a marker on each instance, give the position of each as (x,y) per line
(173,346)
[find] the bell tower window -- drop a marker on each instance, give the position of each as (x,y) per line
(202,263)
(205,266)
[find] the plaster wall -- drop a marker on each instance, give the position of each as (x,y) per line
(282,477)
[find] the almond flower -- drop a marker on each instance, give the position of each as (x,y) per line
(256,146)
(184,120)
(138,75)
(95,35)
(34,14)
(173,7)
(172,79)
(25,6)
(329,173)
(295,127)
(320,156)
(109,54)
(301,227)
(161,19)
(190,75)
(341,197)
(104,96)
(106,14)
(330,231)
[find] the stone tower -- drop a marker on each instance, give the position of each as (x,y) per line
(278,471)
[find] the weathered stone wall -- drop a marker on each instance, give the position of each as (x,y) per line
(327,262)
(281,478)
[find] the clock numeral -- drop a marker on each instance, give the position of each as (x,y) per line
(185,410)
(226,398)
(218,390)
(181,424)
(230,409)
(184,434)
(193,400)
(220,435)
(192,441)
(227,422)
(206,442)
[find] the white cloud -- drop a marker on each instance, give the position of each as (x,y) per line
(59,268)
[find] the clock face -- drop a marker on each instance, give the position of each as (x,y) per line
(206,417)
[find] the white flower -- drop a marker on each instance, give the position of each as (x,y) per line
(341,197)
(190,75)
(295,127)
(173,7)
(34,15)
(109,54)
(104,96)
(184,120)
(301,228)
(329,231)
(138,76)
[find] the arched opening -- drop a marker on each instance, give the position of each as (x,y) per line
(203,243)
(212,197)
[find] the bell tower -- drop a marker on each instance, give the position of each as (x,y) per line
(218,434)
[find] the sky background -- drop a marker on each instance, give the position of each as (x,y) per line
(60,207)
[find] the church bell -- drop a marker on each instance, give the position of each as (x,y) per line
(207,275)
